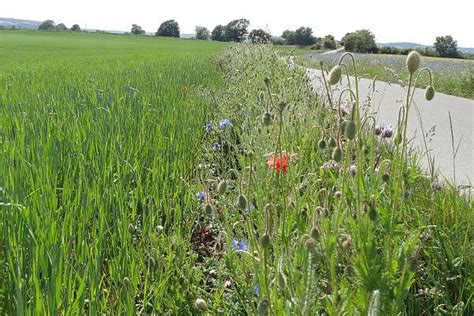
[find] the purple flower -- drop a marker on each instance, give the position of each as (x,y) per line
(256,290)
(224,122)
(239,246)
(216,146)
(201,196)
(208,127)
(387,131)
(378,130)
(249,208)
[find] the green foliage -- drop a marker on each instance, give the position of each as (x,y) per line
(259,36)
(304,36)
(168,28)
(328,42)
(61,27)
(446,46)
(47,25)
(76,28)
(202,33)
(218,34)
(236,30)
(362,41)
(137,30)
(289,37)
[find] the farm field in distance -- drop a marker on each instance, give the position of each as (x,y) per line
(145,175)
(452,76)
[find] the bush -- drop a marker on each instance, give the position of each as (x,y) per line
(47,25)
(76,28)
(259,36)
(137,30)
(304,36)
(362,41)
(202,33)
(328,42)
(168,28)
(236,30)
(278,40)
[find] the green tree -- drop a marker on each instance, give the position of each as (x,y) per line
(361,41)
(61,27)
(289,37)
(202,33)
(259,36)
(236,30)
(47,25)
(304,36)
(76,28)
(218,34)
(329,42)
(446,46)
(168,28)
(137,30)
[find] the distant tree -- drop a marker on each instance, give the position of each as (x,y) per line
(137,30)
(446,46)
(362,41)
(47,25)
(289,37)
(202,33)
(329,42)
(304,36)
(260,36)
(236,30)
(61,27)
(168,28)
(76,28)
(218,34)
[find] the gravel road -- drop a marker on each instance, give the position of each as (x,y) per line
(386,99)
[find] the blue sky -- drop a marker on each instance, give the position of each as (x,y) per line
(398,20)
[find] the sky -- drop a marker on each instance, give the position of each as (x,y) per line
(418,21)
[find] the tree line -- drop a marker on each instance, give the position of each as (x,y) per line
(361,41)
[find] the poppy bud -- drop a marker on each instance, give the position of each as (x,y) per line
(372,214)
(200,304)
(335,75)
(332,142)
(413,61)
(322,144)
(265,241)
(222,187)
(267,81)
(208,208)
(282,105)
(337,154)
(429,93)
(342,126)
(242,202)
(314,233)
(385,177)
(267,119)
(350,130)
(398,139)
(263,306)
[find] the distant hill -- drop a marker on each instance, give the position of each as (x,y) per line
(408,45)
(19,24)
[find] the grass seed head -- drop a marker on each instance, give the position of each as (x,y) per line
(413,61)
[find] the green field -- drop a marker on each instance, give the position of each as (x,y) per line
(114,199)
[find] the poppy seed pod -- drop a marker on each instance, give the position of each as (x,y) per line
(265,241)
(222,187)
(350,130)
(429,93)
(242,202)
(322,144)
(337,154)
(335,75)
(267,118)
(413,61)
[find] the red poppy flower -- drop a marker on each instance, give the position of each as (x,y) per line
(278,163)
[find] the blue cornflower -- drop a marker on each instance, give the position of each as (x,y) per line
(239,246)
(208,127)
(224,122)
(216,146)
(249,208)
(201,196)
(387,131)
(256,290)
